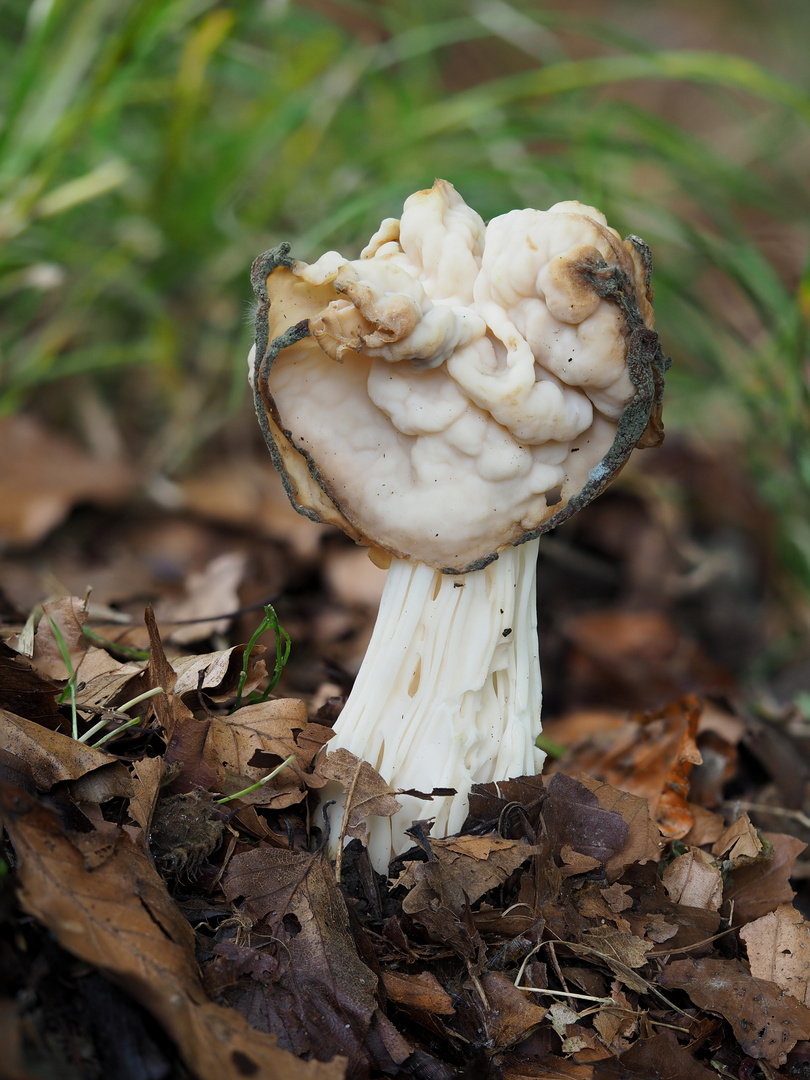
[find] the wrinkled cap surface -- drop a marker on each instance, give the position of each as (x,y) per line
(459,387)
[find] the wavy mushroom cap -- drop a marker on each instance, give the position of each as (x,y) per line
(459,382)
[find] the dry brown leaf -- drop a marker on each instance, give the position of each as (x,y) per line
(643,841)
(220,672)
(707,826)
(650,755)
(24,692)
(740,843)
(511,1015)
(148,774)
(366,793)
(212,591)
(778,948)
(616,1023)
(168,707)
(761,886)
(47,474)
(120,918)
(672,812)
(100,678)
(52,757)
(69,615)
(620,950)
(422,991)
(573,817)
(249,743)
(464,868)
(660,1057)
(324,998)
(694,879)
(111,781)
(574,862)
(767,1023)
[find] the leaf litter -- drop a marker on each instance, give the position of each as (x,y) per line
(622,915)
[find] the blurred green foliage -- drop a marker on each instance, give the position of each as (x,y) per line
(149,149)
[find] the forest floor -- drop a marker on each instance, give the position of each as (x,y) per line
(640,910)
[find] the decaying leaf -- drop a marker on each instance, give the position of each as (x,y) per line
(766,1022)
(650,755)
(366,793)
(217,673)
(423,992)
(462,869)
(119,917)
(778,948)
(25,692)
(659,1057)
(759,887)
(694,879)
(244,747)
(52,757)
(643,840)
(740,844)
(324,997)
(573,816)
(68,614)
(511,1015)
(211,591)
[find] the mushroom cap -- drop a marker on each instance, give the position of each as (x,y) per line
(460,387)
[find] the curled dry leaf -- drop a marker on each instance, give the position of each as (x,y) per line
(69,615)
(100,678)
(740,844)
(365,791)
(778,948)
(759,887)
(650,755)
(25,692)
(119,918)
(242,748)
(766,1022)
(220,672)
(694,879)
(511,1015)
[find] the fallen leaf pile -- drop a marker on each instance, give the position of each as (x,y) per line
(596,922)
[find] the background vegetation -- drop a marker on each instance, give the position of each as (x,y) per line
(149,149)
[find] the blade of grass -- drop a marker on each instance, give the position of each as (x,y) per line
(70,689)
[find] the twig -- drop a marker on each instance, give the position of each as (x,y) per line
(345,822)
(777,811)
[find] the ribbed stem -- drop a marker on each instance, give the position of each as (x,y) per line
(449,692)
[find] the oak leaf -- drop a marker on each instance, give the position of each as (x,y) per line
(766,1022)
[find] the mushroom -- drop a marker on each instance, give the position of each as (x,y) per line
(445,399)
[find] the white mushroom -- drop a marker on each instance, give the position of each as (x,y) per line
(445,399)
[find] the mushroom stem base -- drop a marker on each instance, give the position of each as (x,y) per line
(449,692)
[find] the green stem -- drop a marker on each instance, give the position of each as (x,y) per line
(259,783)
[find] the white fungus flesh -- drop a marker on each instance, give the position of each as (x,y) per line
(453,388)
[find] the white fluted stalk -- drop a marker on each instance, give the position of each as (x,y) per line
(449,692)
